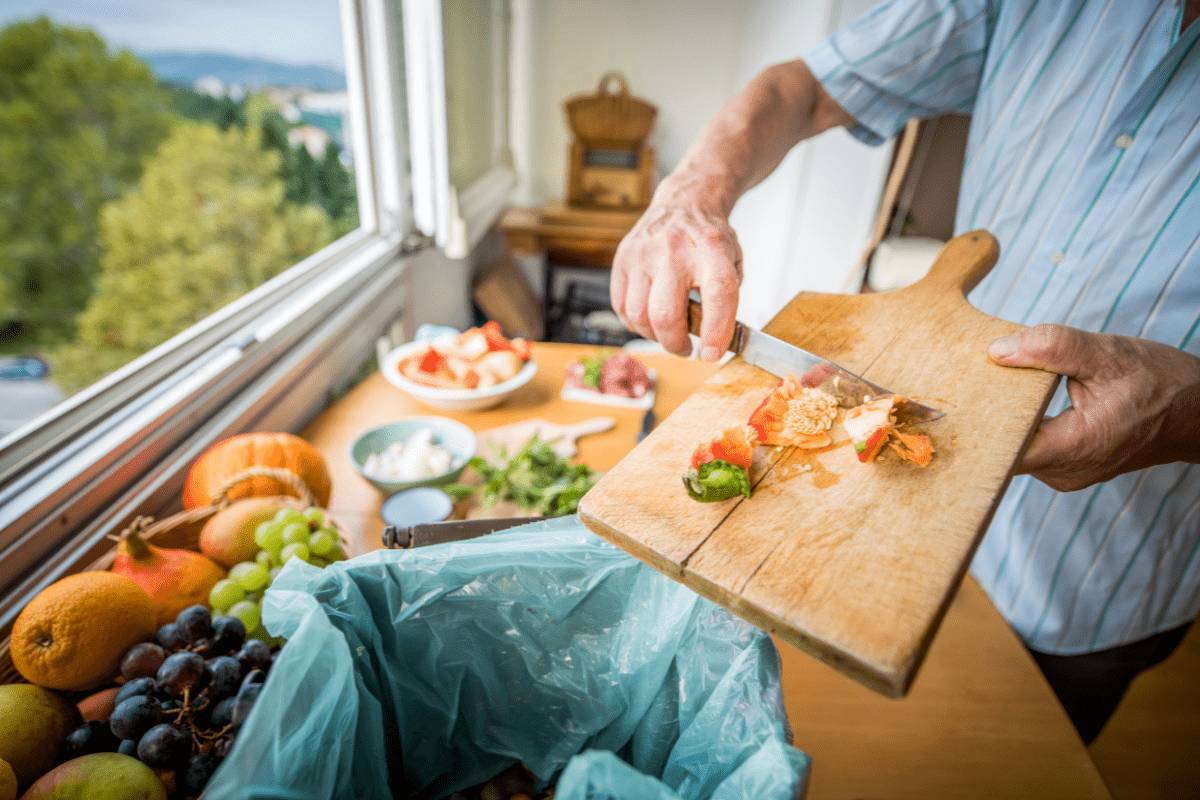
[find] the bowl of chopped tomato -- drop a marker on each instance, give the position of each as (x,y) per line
(470,371)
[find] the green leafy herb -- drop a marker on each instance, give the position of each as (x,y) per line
(535,477)
(717,480)
(593,368)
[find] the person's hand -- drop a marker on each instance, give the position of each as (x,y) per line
(676,246)
(1134,404)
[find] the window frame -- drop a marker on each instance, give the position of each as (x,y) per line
(455,220)
(268,361)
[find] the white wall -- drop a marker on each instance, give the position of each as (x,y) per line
(804,227)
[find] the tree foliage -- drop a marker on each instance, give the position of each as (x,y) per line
(208,223)
(325,182)
(76,123)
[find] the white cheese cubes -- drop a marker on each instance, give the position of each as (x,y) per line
(416,458)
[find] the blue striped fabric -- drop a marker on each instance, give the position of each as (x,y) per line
(1084,160)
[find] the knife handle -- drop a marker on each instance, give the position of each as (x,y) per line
(695,315)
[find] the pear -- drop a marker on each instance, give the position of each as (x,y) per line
(228,536)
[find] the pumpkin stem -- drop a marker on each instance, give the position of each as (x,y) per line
(133,545)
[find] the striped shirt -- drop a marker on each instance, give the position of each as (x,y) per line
(1083,160)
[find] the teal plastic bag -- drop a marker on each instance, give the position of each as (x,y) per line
(417,673)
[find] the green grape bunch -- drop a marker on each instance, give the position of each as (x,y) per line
(291,533)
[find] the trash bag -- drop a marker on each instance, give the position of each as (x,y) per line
(418,673)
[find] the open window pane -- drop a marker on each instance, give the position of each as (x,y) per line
(475,35)
(267,360)
(162,160)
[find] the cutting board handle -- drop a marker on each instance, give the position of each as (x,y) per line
(962,263)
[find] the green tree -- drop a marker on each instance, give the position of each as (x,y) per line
(208,223)
(220,111)
(338,190)
(325,181)
(76,123)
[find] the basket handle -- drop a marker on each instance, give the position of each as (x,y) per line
(142,525)
(609,77)
(288,477)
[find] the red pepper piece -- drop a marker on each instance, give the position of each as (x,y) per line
(913,446)
(734,446)
(432,362)
(495,339)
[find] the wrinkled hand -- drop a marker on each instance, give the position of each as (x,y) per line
(675,247)
(1134,404)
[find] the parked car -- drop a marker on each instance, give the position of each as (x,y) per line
(25,391)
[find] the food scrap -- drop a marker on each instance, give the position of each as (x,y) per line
(720,469)
(795,415)
(873,424)
(801,417)
(474,359)
(613,373)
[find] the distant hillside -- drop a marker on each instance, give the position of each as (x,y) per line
(249,72)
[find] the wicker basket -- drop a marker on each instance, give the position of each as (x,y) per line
(607,119)
(182,531)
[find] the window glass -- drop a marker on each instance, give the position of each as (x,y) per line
(475,45)
(162,158)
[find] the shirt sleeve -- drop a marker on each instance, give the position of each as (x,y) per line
(905,58)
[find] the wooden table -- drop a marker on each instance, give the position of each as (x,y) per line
(979,722)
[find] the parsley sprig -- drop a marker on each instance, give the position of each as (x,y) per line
(535,477)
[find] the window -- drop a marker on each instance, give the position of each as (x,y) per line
(268,360)
(457,52)
(163,167)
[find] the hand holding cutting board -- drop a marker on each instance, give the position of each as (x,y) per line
(1132,406)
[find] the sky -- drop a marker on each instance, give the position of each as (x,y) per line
(291,31)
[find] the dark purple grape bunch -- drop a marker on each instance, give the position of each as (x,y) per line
(184,698)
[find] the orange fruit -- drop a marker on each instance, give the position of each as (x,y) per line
(72,635)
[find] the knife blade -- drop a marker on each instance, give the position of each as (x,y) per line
(780,358)
(647,424)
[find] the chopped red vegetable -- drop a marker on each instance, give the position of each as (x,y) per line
(720,469)
(795,415)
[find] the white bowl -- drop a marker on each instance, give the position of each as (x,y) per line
(451,399)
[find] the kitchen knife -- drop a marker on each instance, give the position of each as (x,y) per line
(780,358)
(453,530)
(647,424)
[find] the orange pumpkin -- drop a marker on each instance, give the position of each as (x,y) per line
(234,455)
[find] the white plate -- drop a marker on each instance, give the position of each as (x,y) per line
(571,394)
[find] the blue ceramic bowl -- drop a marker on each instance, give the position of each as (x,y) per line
(453,436)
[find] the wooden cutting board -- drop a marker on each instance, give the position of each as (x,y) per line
(853,563)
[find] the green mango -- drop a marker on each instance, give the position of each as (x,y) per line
(33,724)
(99,776)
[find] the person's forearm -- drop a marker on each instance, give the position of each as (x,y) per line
(748,137)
